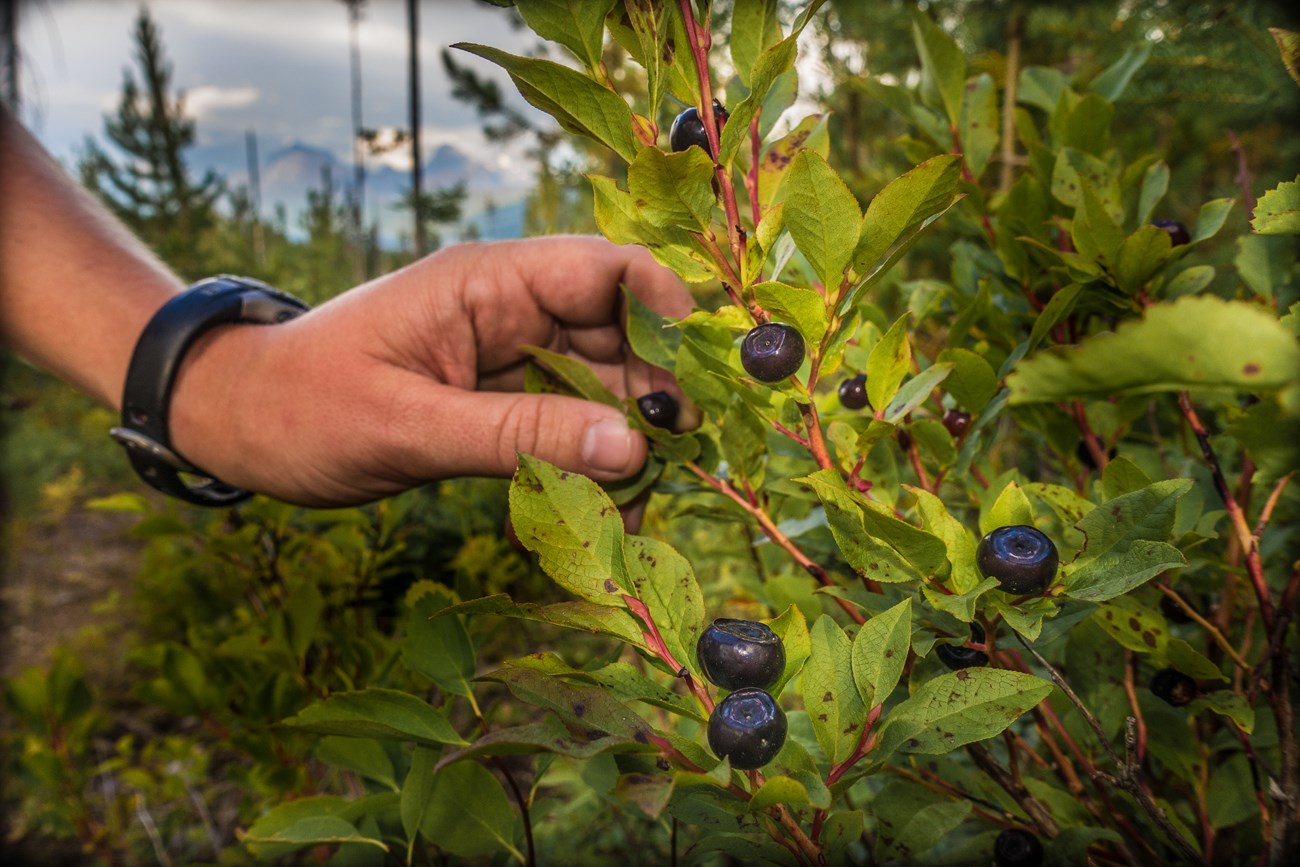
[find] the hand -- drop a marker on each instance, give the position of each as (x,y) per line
(418,375)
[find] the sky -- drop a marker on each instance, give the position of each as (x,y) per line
(278,67)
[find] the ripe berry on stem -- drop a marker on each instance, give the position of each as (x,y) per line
(957,422)
(688,128)
(747,727)
(659,408)
(1017,848)
(772,351)
(1021,558)
(1177,231)
(1174,687)
(853,392)
(959,656)
(735,654)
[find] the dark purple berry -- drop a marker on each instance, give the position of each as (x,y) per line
(734,654)
(747,727)
(1020,557)
(1177,231)
(958,656)
(659,408)
(1173,611)
(772,351)
(1173,686)
(904,440)
(688,129)
(1017,848)
(853,392)
(957,423)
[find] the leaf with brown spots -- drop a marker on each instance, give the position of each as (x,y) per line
(950,711)
(830,692)
(880,651)
(554,513)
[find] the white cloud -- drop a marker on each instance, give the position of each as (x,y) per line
(201,101)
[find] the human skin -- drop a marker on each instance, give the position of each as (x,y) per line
(412,377)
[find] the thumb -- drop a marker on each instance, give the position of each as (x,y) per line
(485,432)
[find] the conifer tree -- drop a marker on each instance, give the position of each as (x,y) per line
(148,183)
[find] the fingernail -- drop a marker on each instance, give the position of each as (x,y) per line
(607,445)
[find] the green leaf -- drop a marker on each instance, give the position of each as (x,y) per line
(1134,625)
(744,440)
(869,556)
(1288,44)
(1122,476)
(772,64)
(1010,509)
(1210,219)
(1155,183)
(1073,168)
(573,527)
(376,713)
(620,221)
(1110,84)
(822,216)
(802,308)
(673,189)
(578,25)
(973,382)
(903,205)
(1167,350)
(792,629)
(959,708)
(547,736)
(1278,210)
(578,614)
(589,707)
(468,813)
(979,122)
(943,61)
(755,27)
(663,579)
(367,758)
(958,541)
(1265,263)
(917,391)
(1227,703)
(812,133)
(438,648)
(1124,541)
(912,820)
(1271,438)
(1140,256)
(1189,281)
(830,694)
(1058,308)
(574,374)
(1097,236)
(880,651)
(651,336)
(889,362)
(578,103)
(304,822)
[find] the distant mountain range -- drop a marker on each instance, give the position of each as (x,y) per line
(494,203)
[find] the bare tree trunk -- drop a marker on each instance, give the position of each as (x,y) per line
(255,196)
(417,194)
(357,211)
(9,50)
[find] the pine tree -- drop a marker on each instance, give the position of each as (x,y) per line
(149,185)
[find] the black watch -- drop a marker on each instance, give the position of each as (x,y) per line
(146,398)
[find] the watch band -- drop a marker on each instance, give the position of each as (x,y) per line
(146,397)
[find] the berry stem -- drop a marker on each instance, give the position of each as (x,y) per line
(1206,625)
(655,641)
(700,41)
(1130,674)
(1248,542)
(816,441)
(772,532)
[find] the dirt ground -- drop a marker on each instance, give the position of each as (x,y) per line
(58,578)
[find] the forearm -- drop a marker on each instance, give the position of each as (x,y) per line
(76,287)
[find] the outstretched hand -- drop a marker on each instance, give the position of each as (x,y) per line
(418,375)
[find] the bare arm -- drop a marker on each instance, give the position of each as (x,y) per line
(412,377)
